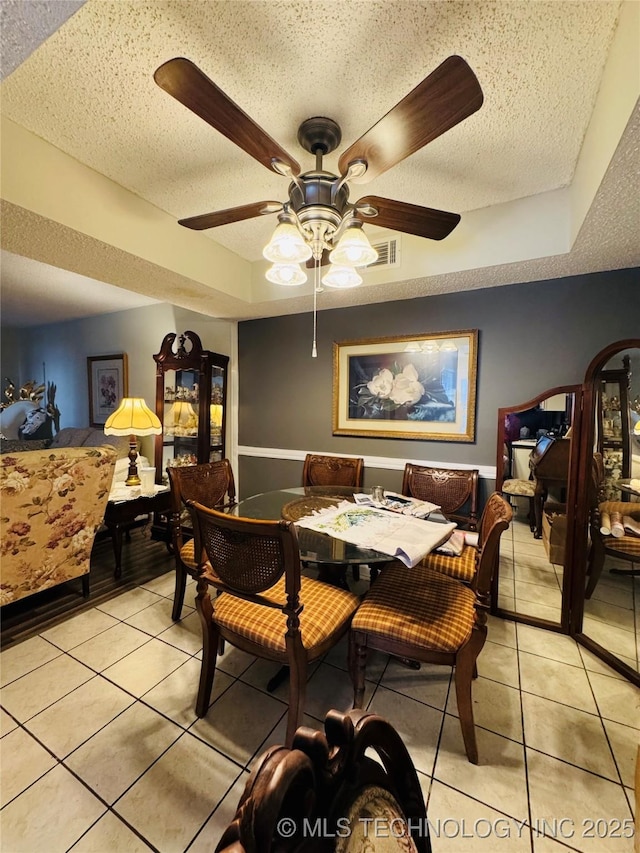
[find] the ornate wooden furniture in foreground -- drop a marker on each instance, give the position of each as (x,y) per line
(450,488)
(263,605)
(419,614)
(211,484)
(332,471)
(326,794)
(191,393)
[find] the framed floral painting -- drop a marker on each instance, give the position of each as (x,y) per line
(108,384)
(418,386)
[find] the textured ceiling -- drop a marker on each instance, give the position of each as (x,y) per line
(89,91)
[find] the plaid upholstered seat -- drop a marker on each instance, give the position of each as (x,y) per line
(211,483)
(326,609)
(418,606)
(424,615)
(462,568)
(263,605)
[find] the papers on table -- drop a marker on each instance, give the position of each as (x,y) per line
(398,503)
(402,536)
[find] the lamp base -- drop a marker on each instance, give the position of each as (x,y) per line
(133,479)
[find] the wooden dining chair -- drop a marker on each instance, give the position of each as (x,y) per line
(263,604)
(321,470)
(450,488)
(419,614)
(212,484)
(464,566)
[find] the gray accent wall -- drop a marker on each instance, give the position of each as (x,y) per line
(532,336)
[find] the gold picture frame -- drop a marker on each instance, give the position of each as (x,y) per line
(108,384)
(414,386)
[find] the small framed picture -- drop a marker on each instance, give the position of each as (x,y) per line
(108,384)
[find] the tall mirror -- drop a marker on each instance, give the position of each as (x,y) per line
(611,583)
(534,452)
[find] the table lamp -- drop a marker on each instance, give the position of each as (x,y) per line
(133,417)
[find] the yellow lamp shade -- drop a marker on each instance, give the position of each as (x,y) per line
(133,417)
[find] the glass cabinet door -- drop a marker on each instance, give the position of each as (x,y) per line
(613,428)
(191,389)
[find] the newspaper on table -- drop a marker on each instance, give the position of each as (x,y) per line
(401,536)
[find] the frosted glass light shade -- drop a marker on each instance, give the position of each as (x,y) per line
(354,249)
(341,276)
(287,274)
(133,417)
(287,245)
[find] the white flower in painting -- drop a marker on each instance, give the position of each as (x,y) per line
(381,384)
(406,390)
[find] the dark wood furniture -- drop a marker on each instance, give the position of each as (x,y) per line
(419,614)
(324,793)
(450,488)
(263,605)
(211,484)
(549,464)
(191,394)
(321,470)
(120,516)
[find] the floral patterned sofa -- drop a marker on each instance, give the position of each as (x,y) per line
(52,502)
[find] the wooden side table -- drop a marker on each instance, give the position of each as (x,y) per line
(121,514)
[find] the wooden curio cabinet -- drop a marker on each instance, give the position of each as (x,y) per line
(191,396)
(614,436)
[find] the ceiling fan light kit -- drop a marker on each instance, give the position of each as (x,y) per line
(286,274)
(318,219)
(342,276)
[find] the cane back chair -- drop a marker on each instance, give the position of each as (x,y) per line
(450,488)
(211,484)
(263,605)
(321,470)
(418,614)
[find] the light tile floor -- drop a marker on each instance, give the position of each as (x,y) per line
(101,750)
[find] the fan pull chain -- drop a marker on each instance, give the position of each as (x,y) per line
(316,285)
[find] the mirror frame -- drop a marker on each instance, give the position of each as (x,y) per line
(563,625)
(577,532)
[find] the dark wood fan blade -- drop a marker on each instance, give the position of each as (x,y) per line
(187,84)
(231,214)
(448,95)
(410,218)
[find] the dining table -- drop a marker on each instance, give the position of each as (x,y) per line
(332,556)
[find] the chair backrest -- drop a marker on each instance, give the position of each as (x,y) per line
(331,786)
(332,471)
(247,556)
(496,518)
(449,487)
(211,484)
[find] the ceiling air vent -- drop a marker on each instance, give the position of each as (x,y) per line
(388,253)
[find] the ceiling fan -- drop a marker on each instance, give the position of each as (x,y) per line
(318,206)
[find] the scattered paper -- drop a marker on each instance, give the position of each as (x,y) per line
(402,536)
